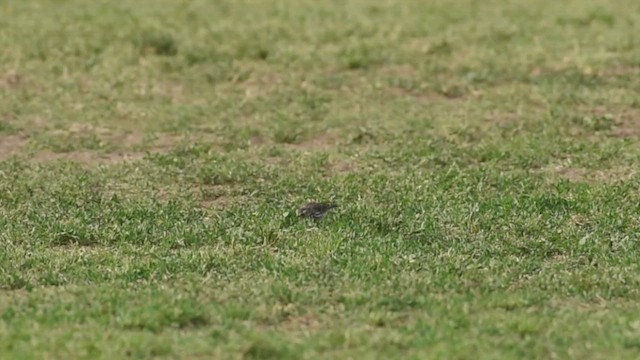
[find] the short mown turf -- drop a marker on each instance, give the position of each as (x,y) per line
(484,155)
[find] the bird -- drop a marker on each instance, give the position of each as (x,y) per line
(315,211)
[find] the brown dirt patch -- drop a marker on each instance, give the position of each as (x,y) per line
(171,91)
(87,157)
(401,70)
(419,91)
(417,94)
(315,142)
(619,71)
(11,80)
(257,140)
(82,128)
(213,196)
(132,146)
(274,160)
(319,142)
(106,135)
(610,121)
(221,202)
(304,322)
(608,176)
(216,196)
(11,144)
(165,142)
(502,119)
(258,86)
(125,146)
(627,124)
(572,174)
(342,166)
(429,95)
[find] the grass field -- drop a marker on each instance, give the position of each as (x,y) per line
(484,154)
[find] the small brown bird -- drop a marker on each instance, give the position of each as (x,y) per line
(315,211)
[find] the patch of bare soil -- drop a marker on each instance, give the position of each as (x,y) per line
(11,80)
(315,142)
(304,322)
(130,147)
(627,124)
(172,91)
(221,202)
(619,71)
(11,144)
(430,95)
(502,119)
(609,121)
(318,142)
(164,143)
(403,92)
(399,71)
(342,166)
(259,85)
(572,174)
(257,140)
(608,176)
(417,91)
(87,157)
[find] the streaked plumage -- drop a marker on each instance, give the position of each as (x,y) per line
(314,210)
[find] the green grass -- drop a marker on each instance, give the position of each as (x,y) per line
(153,154)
